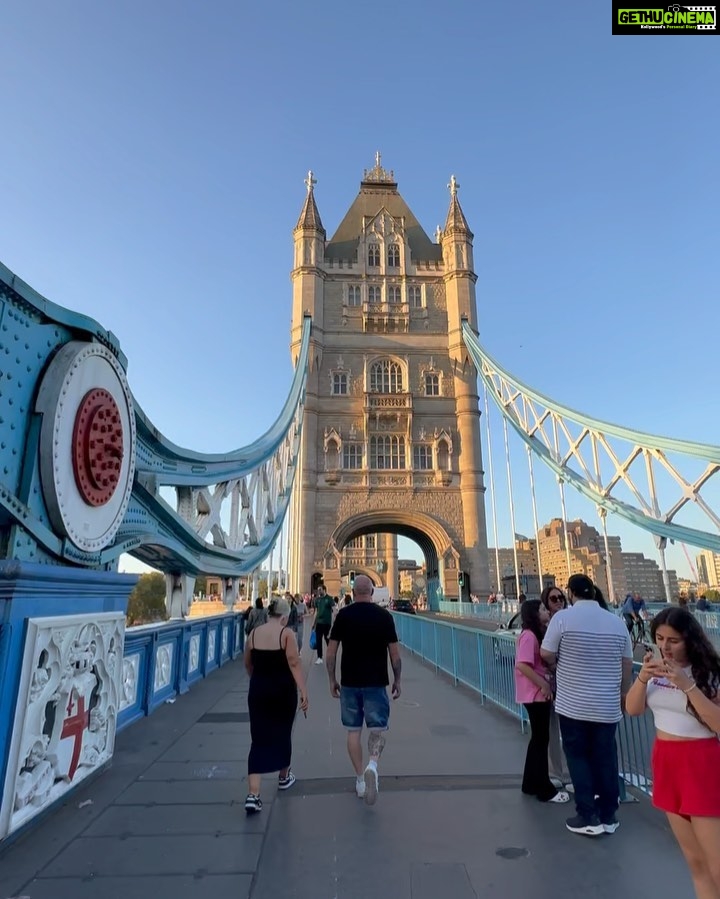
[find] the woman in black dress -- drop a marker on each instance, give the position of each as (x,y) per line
(273,663)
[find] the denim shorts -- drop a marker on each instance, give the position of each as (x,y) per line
(369,704)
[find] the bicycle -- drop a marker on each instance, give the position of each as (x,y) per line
(638,634)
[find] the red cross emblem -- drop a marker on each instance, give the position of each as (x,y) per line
(74,726)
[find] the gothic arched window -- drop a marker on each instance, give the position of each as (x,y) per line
(374,254)
(386,377)
(393,255)
(387,452)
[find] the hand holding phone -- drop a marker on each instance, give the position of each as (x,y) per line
(657,655)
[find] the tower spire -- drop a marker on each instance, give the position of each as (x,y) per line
(310,217)
(456,221)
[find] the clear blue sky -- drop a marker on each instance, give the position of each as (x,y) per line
(152,169)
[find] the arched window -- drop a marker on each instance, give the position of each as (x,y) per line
(443,454)
(387,452)
(415,296)
(393,255)
(354,295)
(374,255)
(394,295)
(386,377)
(374,294)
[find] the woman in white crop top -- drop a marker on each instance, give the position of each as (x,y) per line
(682,689)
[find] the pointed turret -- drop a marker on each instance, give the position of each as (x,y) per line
(456,223)
(310,217)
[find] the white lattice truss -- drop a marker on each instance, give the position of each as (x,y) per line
(585,453)
(242,513)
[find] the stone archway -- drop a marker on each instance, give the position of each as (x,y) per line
(432,538)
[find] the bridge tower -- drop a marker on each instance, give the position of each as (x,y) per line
(391,437)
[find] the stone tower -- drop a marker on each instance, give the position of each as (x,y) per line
(391,436)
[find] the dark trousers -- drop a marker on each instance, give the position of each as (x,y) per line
(593,763)
(536,781)
(321,630)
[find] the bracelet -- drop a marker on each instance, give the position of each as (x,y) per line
(691,687)
(643,682)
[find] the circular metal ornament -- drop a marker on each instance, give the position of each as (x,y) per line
(97,447)
(87,444)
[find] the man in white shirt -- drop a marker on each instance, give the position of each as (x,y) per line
(592,651)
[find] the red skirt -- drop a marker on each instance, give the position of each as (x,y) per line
(686,777)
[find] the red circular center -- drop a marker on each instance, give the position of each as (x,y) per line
(97,447)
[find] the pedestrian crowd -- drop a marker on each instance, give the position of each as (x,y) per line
(573,675)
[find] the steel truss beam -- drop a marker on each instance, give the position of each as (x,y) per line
(578,449)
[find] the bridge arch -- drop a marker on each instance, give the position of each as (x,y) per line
(429,534)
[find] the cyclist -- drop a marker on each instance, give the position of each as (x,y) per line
(634,611)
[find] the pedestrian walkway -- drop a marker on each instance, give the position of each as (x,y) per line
(167,820)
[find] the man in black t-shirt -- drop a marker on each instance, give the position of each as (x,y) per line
(367,634)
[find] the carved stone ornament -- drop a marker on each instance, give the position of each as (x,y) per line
(211,645)
(194,654)
(68,701)
(130,683)
(163,665)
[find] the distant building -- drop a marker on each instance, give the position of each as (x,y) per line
(584,548)
(708,568)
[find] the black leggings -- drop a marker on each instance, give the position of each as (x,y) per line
(321,630)
(536,780)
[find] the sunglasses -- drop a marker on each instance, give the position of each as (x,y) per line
(558,597)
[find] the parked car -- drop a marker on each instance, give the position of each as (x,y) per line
(403,605)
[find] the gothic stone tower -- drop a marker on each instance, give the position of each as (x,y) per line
(391,436)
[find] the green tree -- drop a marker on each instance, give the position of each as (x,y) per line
(201,585)
(147,601)
(712,595)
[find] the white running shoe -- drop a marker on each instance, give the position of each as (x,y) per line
(318,661)
(360,787)
(372,783)
(560,796)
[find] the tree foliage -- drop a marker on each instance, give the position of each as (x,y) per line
(147,601)
(713,595)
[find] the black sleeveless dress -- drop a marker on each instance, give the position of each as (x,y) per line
(272,703)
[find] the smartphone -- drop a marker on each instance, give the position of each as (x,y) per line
(656,653)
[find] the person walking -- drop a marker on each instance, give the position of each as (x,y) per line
(534,692)
(367,635)
(591,649)
(682,690)
(273,663)
(300,611)
(324,607)
(256,616)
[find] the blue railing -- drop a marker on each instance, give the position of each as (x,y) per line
(498,611)
(485,662)
(163,660)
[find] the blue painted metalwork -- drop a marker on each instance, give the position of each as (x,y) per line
(485,662)
(33,330)
(146,642)
(529,411)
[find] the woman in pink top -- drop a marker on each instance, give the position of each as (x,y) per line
(533,690)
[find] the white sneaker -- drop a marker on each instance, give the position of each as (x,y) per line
(360,787)
(318,661)
(372,784)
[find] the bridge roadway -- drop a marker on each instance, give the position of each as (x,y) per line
(167,820)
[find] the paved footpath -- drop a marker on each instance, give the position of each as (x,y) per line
(167,820)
